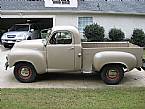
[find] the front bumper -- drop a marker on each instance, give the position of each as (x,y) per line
(11,41)
(6,64)
(8,41)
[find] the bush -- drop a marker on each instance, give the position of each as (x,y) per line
(138,37)
(94,32)
(116,34)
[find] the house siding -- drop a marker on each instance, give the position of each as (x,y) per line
(124,22)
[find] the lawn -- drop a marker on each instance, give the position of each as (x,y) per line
(106,98)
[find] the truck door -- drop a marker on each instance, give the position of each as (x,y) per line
(60,51)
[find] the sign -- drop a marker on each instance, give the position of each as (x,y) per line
(61,3)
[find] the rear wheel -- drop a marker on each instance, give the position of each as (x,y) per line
(112,74)
(25,72)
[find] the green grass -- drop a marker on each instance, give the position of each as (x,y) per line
(106,98)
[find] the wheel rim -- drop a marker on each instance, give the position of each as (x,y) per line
(25,72)
(113,74)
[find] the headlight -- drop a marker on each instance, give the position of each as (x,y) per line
(3,40)
(3,36)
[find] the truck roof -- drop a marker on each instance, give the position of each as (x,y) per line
(69,28)
(72,29)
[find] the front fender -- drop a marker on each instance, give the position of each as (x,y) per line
(35,57)
(114,57)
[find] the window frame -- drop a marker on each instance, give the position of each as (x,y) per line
(72,37)
(83,22)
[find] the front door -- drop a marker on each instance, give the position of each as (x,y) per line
(60,51)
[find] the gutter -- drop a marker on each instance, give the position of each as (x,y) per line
(12,12)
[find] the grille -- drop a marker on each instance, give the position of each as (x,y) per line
(11,36)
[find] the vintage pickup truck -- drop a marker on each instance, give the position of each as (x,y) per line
(63,51)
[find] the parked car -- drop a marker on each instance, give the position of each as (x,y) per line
(19,32)
(63,51)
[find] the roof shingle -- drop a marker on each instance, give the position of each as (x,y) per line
(130,6)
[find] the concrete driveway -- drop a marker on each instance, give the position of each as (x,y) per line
(134,78)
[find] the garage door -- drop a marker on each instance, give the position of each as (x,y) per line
(43,23)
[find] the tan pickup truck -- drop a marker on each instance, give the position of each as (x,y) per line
(62,51)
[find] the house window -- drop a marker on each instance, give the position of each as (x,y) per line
(56,1)
(83,22)
(61,1)
(65,1)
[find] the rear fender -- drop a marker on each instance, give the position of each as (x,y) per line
(114,57)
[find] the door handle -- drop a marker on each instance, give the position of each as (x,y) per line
(80,54)
(71,48)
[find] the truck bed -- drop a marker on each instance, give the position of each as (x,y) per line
(107,44)
(89,49)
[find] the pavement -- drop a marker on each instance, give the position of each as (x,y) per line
(133,78)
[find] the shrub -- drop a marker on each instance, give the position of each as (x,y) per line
(94,32)
(116,34)
(138,37)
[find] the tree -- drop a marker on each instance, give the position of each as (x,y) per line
(116,34)
(138,37)
(94,32)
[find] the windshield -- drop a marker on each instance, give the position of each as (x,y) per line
(19,28)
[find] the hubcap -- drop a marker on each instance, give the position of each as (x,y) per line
(25,72)
(112,74)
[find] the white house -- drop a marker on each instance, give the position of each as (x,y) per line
(122,14)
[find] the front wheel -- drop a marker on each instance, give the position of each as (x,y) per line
(112,74)
(25,72)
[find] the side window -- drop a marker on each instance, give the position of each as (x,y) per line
(56,1)
(63,37)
